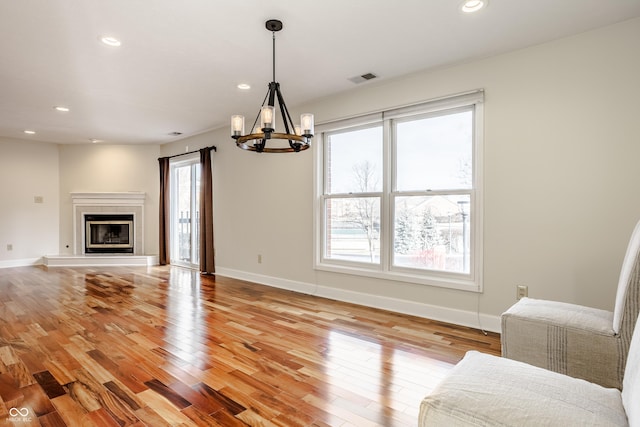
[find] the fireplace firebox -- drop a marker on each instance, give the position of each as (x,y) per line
(109,233)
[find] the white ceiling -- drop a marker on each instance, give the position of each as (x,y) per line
(180,61)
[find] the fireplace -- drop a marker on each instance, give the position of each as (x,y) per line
(109,233)
(112,236)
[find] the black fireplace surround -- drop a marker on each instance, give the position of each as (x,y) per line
(108,234)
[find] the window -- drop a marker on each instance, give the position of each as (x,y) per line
(399,194)
(185,210)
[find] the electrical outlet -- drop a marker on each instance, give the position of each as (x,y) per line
(259,259)
(9,247)
(38,199)
(522,291)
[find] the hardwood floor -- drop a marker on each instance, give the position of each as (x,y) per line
(162,346)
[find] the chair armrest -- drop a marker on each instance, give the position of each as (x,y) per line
(569,316)
(567,338)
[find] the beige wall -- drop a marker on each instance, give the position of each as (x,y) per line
(562,143)
(561,181)
(107,168)
(28,170)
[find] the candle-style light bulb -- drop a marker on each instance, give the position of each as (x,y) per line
(268,118)
(237,126)
(306,122)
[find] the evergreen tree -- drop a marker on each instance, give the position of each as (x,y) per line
(428,231)
(404,234)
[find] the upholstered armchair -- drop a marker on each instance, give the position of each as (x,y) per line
(578,341)
(486,390)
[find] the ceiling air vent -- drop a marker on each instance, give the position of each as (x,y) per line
(363,78)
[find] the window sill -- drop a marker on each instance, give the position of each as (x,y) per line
(463,283)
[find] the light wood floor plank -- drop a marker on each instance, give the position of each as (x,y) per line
(164,346)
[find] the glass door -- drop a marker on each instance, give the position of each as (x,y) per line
(185,212)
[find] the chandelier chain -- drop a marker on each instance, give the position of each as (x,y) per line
(274,56)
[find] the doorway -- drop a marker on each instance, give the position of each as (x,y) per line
(185,212)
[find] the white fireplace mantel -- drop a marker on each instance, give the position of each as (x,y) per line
(109,198)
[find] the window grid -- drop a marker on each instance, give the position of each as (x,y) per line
(464,224)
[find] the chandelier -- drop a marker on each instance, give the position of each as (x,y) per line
(298,136)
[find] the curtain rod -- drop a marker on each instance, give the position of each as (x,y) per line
(213,147)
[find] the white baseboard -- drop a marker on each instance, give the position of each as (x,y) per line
(444,314)
(20,262)
(84,261)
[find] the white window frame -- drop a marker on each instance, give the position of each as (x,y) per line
(384,270)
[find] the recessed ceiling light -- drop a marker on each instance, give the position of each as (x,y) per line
(469,6)
(30,132)
(61,109)
(110,41)
(244,86)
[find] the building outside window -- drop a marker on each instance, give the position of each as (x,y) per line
(399,194)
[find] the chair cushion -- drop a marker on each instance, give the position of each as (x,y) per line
(484,390)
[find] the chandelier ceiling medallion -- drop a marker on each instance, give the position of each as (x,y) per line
(298,136)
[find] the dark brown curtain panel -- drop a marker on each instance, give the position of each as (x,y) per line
(165,210)
(207,259)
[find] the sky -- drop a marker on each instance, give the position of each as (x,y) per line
(433,153)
